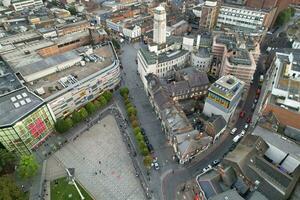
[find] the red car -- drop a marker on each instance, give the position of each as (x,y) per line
(258,91)
(242,114)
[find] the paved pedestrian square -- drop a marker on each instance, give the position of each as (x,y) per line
(102,164)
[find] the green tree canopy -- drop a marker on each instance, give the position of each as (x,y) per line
(72,10)
(128,105)
(131,111)
(139,137)
(9,189)
(147,161)
(284,16)
(28,167)
(137,130)
(76,117)
(97,104)
(102,101)
(142,145)
(84,114)
(135,124)
(90,107)
(144,151)
(63,125)
(7,160)
(108,95)
(124,91)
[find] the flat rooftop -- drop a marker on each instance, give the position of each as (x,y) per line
(227,86)
(51,84)
(16,104)
(8,81)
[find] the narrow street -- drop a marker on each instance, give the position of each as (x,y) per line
(164,183)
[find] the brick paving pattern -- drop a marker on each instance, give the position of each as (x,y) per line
(115,178)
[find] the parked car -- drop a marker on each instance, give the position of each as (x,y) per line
(258,91)
(243,133)
(236,139)
(255,100)
(146,139)
(156,166)
(233,131)
(150,148)
(215,162)
(253,107)
(205,169)
(242,114)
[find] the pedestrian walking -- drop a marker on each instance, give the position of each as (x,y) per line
(99,162)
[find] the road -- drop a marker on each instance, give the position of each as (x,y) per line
(164,183)
(147,117)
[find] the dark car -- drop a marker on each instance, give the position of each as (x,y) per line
(150,148)
(146,139)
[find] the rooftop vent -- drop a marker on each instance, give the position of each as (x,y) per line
(230,81)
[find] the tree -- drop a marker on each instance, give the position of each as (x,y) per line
(90,107)
(76,117)
(72,10)
(9,190)
(128,105)
(102,101)
(107,95)
(126,101)
(136,130)
(131,111)
(28,167)
(115,43)
(84,114)
(132,118)
(7,160)
(147,161)
(63,125)
(135,124)
(142,145)
(97,104)
(139,137)
(124,91)
(144,151)
(283,17)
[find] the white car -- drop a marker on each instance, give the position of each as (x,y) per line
(233,131)
(205,169)
(246,126)
(243,133)
(156,166)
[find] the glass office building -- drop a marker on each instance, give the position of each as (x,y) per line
(27,122)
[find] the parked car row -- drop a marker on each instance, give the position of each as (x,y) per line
(154,164)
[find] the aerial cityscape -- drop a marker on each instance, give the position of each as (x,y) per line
(149,99)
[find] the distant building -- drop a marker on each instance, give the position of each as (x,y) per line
(282,82)
(215,126)
(223,97)
(132,32)
(201,59)
(251,160)
(25,119)
(209,14)
(19,5)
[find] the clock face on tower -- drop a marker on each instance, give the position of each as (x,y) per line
(37,128)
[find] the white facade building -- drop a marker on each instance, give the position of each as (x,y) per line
(160,25)
(132,32)
(201,59)
(19,5)
(240,17)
